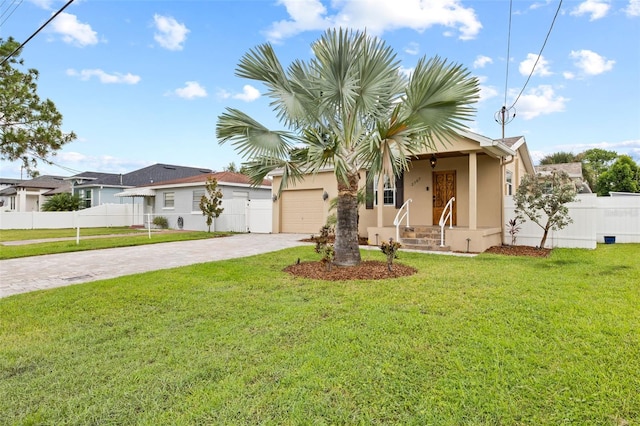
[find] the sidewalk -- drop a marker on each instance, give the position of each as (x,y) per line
(58,270)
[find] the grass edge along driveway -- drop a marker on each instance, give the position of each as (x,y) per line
(484,340)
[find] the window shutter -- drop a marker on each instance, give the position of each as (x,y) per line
(399,190)
(368,193)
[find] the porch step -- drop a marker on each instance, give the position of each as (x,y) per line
(422,237)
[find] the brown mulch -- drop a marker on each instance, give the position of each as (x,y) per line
(366,270)
(519,251)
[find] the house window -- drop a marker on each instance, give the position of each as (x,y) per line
(389,194)
(13,203)
(87,198)
(169,200)
(197,196)
(509,183)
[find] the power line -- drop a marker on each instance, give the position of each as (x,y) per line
(36,32)
(539,54)
(14,2)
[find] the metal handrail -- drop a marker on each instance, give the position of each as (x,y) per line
(448,209)
(398,219)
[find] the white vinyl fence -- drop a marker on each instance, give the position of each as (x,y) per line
(239,215)
(106,215)
(593,219)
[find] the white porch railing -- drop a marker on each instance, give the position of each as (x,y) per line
(402,213)
(447,213)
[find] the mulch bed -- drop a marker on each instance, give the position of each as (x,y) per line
(366,270)
(519,251)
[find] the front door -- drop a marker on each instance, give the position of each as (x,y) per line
(444,188)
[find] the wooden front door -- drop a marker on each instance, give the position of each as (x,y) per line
(444,187)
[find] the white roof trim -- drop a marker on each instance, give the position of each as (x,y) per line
(137,192)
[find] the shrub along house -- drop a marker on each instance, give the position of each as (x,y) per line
(465,180)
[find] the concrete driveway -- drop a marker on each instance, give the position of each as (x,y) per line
(57,270)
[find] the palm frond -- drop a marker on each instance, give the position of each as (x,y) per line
(250,138)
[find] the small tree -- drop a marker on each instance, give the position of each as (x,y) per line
(210,202)
(545,194)
(514,227)
(63,202)
(391,250)
(622,176)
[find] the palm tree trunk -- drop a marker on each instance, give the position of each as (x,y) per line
(347,251)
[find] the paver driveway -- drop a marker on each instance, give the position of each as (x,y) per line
(57,270)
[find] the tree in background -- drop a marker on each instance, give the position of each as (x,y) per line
(622,176)
(211,201)
(548,194)
(558,158)
(29,127)
(63,202)
(231,167)
(595,161)
(349,107)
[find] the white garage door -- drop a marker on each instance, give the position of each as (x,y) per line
(302,211)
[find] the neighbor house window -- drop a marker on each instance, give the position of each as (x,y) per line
(12,203)
(509,183)
(169,200)
(197,196)
(389,194)
(87,198)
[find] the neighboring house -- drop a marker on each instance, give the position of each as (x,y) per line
(93,188)
(474,170)
(573,170)
(8,192)
(96,188)
(30,195)
(179,199)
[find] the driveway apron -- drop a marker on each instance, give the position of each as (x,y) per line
(57,270)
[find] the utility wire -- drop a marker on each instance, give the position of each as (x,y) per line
(36,32)
(539,54)
(506,79)
(17,3)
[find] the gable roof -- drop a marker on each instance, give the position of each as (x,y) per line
(145,176)
(221,177)
(574,170)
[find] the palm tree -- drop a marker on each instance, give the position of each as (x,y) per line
(350,108)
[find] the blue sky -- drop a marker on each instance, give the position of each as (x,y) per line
(143,82)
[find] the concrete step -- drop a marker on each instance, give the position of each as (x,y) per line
(424,247)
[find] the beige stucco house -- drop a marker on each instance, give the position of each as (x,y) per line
(472,173)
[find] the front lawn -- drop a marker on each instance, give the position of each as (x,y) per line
(485,340)
(93,242)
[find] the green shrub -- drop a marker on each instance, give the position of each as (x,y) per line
(161,222)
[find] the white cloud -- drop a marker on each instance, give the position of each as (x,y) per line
(43,4)
(541,100)
(407,72)
(249,94)
(590,63)
(481,61)
(633,9)
(170,33)
(376,16)
(191,90)
(73,31)
(568,75)
(542,67)
(104,77)
(596,8)
(412,48)
(486,92)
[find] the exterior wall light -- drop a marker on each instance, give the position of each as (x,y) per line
(274,198)
(433,161)
(325,196)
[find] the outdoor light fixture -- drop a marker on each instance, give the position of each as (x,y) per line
(325,196)
(274,198)
(433,161)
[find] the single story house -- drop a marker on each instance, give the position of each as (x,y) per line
(30,195)
(178,200)
(467,177)
(96,188)
(573,170)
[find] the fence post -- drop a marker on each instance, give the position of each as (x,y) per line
(149,223)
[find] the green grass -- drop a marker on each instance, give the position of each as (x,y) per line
(38,234)
(488,340)
(124,240)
